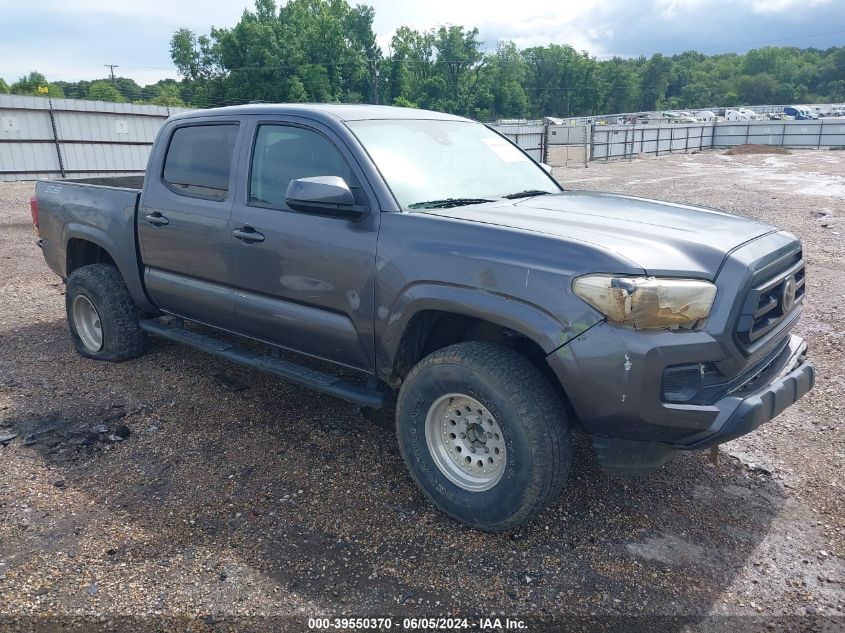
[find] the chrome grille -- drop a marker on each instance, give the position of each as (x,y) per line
(770,302)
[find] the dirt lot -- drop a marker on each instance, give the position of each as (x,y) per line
(237,495)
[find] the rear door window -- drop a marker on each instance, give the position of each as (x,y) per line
(199,160)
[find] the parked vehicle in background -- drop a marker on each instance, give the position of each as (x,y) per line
(778,116)
(426,255)
(837,110)
(705,115)
(741,114)
(796,112)
(678,117)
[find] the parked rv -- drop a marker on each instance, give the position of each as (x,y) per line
(705,115)
(678,117)
(741,114)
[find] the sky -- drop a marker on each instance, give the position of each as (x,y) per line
(72,39)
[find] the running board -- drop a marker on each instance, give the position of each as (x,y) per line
(305,376)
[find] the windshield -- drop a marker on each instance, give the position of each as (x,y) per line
(426,163)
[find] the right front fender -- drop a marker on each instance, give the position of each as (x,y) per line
(529,320)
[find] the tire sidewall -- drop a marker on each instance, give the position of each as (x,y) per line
(483,509)
(77,285)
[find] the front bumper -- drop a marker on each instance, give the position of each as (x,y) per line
(613,379)
(792,381)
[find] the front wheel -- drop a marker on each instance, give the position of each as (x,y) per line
(483,435)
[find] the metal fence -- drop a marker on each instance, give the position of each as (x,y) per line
(623,117)
(42,137)
(797,134)
(567,145)
(626,141)
(531,137)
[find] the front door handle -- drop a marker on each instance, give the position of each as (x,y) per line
(156,219)
(248,234)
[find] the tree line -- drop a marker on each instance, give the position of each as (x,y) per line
(326,51)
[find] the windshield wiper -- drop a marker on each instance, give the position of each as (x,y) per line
(527,194)
(447,203)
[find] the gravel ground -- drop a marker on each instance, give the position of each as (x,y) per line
(239,496)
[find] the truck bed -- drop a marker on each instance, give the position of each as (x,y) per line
(100,211)
(121,182)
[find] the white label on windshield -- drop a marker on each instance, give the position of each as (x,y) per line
(504,150)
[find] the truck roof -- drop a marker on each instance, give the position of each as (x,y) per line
(336,111)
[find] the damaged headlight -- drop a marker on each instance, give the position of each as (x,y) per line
(647,302)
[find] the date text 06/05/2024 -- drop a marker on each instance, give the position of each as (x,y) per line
(417,624)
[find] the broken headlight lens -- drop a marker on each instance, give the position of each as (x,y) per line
(647,303)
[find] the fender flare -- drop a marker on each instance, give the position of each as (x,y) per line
(529,320)
(127,265)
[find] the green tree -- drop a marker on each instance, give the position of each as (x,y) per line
(458,62)
(759,88)
(410,64)
(36,84)
(654,81)
(561,81)
(318,50)
(4,87)
(104,91)
(618,86)
(504,81)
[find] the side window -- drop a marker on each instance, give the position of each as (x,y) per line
(284,153)
(199,160)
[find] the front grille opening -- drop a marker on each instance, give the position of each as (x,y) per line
(770,302)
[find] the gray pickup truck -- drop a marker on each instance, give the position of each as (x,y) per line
(424,254)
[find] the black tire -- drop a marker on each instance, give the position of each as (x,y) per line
(102,285)
(528,411)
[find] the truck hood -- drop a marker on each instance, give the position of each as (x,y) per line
(660,237)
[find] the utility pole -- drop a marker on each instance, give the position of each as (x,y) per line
(111,68)
(374,79)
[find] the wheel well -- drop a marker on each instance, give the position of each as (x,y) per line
(431,330)
(81,252)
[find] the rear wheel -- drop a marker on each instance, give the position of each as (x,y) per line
(483,435)
(102,316)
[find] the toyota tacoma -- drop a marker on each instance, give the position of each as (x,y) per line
(425,255)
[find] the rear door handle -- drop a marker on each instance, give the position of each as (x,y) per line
(248,234)
(156,219)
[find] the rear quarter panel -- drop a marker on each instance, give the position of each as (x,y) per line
(99,214)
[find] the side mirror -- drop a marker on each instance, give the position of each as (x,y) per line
(547,167)
(323,195)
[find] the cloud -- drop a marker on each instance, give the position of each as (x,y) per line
(72,39)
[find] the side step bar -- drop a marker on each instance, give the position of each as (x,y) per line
(317,380)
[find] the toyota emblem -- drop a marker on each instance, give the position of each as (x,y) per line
(788,300)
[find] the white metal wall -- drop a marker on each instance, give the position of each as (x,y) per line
(530,137)
(52,138)
(626,141)
(819,133)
